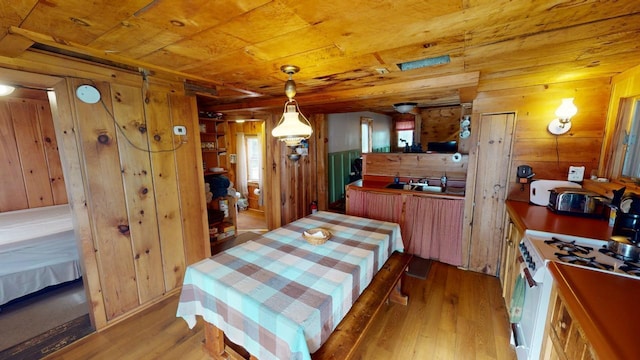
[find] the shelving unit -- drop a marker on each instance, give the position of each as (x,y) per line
(215,142)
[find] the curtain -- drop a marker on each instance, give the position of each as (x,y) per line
(405,125)
(433,228)
(377,206)
(261,174)
(241,166)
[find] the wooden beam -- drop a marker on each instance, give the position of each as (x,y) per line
(12,45)
(435,84)
(72,47)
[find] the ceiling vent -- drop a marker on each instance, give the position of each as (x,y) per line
(417,64)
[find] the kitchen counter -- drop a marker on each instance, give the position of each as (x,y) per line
(379,185)
(534,217)
(605,305)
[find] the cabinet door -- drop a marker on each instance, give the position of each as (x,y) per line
(565,334)
(510,268)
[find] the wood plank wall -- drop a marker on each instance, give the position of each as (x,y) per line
(292,185)
(29,159)
(550,156)
(135,189)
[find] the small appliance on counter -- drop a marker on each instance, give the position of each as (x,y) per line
(580,202)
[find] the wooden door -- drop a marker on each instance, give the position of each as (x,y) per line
(492,169)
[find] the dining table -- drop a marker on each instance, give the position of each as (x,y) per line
(280,296)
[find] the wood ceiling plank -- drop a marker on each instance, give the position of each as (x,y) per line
(195,15)
(549,16)
(79,21)
(12,13)
(264,23)
(135,39)
(301,41)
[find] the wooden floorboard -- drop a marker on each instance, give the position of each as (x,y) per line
(453,314)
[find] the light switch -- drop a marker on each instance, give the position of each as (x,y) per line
(180,130)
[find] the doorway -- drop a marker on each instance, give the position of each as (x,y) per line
(59,301)
(248,164)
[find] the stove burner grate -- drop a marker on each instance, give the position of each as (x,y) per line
(614,254)
(630,268)
(569,246)
(576,259)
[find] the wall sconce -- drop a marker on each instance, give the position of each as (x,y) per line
(565,112)
(293,126)
(6,90)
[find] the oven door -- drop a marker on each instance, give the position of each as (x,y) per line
(528,333)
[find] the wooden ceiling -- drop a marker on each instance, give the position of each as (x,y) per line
(348,51)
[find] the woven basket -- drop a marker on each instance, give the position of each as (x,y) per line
(313,240)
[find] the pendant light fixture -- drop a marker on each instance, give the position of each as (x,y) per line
(293,126)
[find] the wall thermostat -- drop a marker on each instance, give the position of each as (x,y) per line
(88,94)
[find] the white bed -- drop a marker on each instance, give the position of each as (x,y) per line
(37,249)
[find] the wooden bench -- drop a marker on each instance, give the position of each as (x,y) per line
(385,286)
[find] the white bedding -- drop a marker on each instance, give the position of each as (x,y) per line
(37,249)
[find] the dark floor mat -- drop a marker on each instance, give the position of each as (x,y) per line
(419,267)
(50,341)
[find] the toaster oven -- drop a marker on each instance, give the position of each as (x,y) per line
(574,201)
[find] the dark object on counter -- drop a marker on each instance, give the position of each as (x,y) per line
(627,225)
(617,197)
(622,246)
(443,146)
(356,170)
(577,201)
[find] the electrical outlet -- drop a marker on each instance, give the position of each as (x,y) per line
(576,173)
(180,130)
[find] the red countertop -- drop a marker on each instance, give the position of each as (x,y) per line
(534,217)
(604,305)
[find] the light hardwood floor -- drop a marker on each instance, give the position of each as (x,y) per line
(454,314)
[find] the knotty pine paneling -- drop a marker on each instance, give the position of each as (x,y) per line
(137,181)
(292,185)
(163,147)
(535,106)
(440,124)
(107,203)
(195,226)
(29,156)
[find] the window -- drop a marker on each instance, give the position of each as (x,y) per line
(405,127)
(405,137)
(253,158)
(366,130)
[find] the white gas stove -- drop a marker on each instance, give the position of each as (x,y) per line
(537,249)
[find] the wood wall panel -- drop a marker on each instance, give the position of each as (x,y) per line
(52,155)
(29,154)
(533,145)
(440,124)
(138,190)
(32,157)
(195,226)
(14,193)
(71,157)
(414,165)
(106,202)
(164,170)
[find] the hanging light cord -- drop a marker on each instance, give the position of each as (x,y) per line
(124,134)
